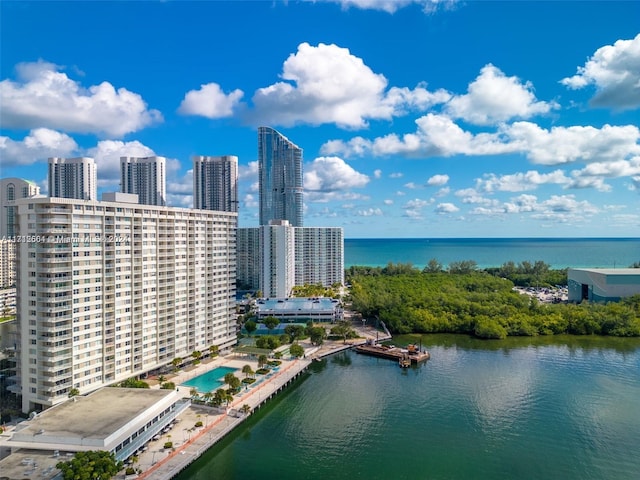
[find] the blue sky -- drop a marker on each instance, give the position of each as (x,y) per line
(417,119)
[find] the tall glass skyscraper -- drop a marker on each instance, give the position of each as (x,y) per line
(280,170)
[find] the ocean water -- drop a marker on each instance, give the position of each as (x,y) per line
(557,252)
(542,408)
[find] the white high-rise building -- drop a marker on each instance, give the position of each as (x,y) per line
(215,183)
(277,259)
(145,177)
(318,257)
(12,189)
(111,290)
(73,178)
(7,262)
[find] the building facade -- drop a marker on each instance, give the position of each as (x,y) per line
(215,183)
(73,178)
(277,259)
(145,177)
(12,189)
(319,256)
(7,262)
(280,178)
(248,258)
(109,290)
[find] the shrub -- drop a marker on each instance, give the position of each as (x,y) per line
(263,371)
(248,381)
(168,444)
(198,424)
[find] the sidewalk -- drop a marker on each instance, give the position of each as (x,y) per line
(160,464)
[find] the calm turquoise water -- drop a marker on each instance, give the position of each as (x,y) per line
(209,381)
(544,408)
(557,252)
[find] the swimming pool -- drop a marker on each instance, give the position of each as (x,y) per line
(210,381)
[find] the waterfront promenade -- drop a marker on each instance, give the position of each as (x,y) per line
(158,463)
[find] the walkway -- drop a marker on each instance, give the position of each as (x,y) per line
(159,464)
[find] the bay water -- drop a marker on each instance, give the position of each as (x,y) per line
(494,252)
(559,407)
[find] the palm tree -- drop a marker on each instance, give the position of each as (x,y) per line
(193,392)
(208,397)
(213,351)
(247,370)
(262,360)
(246,408)
(219,396)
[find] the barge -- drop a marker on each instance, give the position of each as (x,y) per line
(412,355)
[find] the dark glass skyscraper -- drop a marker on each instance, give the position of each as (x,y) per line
(280,170)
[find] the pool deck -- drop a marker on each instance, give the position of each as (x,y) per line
(190,443)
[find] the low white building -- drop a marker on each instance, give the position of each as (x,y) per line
(300,310)
(602,284)
(117,420)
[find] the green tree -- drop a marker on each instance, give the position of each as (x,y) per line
(246,408)
(250,326)
(213,350)
(342,329)
(262,360)
(434,266)
(296,350)
(90,465)
(270,322)
(231,380)
(168,386)
(196,356)
(463,267)
(219,397)
(176,363)
(74,392)
(317,335)
(295,332)
(247,370)
(134,383)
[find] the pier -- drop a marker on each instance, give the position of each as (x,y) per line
(412,353)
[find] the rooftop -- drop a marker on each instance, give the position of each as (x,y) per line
(296,303)
(96,416)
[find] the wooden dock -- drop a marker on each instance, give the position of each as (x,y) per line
(394,353)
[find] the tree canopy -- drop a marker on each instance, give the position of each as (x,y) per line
(482,304)
(90,465)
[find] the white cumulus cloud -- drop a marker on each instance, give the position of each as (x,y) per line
(40,144)
(328,84)
(493,97)
(519,182)
(444,208)
(615,72)
(210,102)
(438,180)
(328,174)
(43,96)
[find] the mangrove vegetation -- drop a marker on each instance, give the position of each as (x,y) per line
(483,303)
